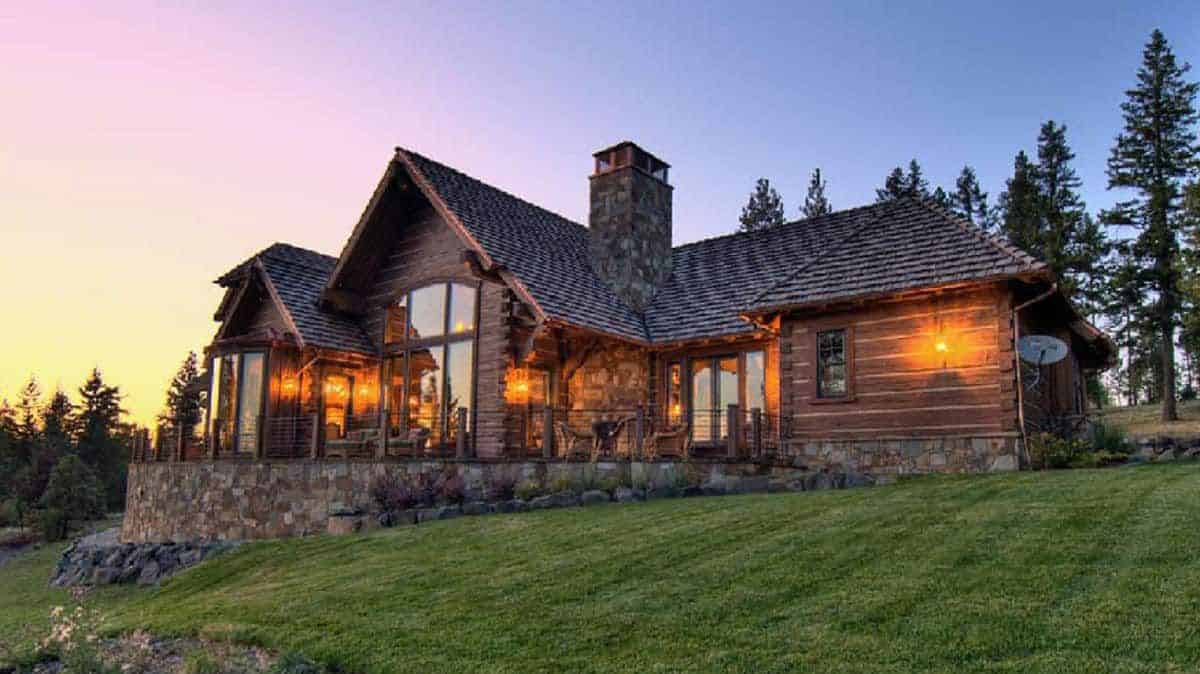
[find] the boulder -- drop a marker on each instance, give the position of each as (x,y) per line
(149,574)
(627,495)
(566,499)
(477,508)
(594,497)
(448,512)
(542,503)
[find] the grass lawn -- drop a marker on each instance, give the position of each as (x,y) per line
(1145,421)
(1073,571)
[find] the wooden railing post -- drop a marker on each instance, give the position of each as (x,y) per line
(215,440)
(385,428)
(260,437)
(178,442)
(315,440)
(756,431)
(460,439)
(639,432)
(731,428)
(548,432)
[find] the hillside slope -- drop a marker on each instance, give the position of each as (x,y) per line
(1053,572)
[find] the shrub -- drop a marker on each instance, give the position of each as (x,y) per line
(451,488)
(528,489)
(294,663)
(74,491)
(1110,439)
(609,484)
(562,483)
(10,513)
(503,488)
(391,495)
(52,524)
(1047,450)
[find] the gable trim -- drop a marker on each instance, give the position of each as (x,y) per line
(272,295)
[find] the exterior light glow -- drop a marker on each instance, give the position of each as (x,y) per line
(940,346)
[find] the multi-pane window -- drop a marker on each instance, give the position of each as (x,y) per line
(831,364)
(236,400)
(429,337)
(675,393)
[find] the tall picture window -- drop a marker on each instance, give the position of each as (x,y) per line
(429,337)
(236,400)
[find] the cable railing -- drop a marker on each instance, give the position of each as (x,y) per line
(515,431)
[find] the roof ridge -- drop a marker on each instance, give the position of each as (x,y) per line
(789,223)
(884,207)
(292,246)
(501,190)
(999,243)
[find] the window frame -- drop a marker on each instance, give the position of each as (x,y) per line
(713,357)
(398,354)
(212,433)
(817,397)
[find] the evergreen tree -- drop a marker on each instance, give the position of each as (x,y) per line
(183,406)
(898,184)
(98,444)
(1019,207)
(765,208)
(1154,154)
(58,422)
(969,201)
(941,198)
(28,433)
(74,491)
(1122,312)
(815,202)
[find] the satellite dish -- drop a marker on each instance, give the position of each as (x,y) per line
(1041,349)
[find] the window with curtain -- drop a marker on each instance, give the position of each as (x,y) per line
(430,339)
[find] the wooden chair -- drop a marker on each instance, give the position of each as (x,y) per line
(677,441)
(602,443)
(573,443)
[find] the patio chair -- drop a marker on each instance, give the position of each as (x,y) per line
(675,442)
(573,443)
(604,436)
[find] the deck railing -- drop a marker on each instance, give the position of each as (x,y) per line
(521,431)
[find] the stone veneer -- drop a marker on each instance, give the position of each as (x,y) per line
(901,456)
(630,230)
(182,501)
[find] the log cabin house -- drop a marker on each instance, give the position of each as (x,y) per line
(462,321)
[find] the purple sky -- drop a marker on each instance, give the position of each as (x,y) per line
(144,151)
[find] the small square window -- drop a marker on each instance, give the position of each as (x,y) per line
(832,375)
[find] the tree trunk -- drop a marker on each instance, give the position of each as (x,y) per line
(1169,412)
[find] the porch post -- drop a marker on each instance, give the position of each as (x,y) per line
(260,437)
(756,430)
(384,429)
(548,432)
(314,442)
(460,439)
(639,432)
(214,439)
(178,442)
(731,429)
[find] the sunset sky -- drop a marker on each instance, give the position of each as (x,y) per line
(145,150)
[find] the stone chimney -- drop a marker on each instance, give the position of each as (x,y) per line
(630,222)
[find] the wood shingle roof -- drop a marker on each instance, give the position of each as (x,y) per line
(860,252)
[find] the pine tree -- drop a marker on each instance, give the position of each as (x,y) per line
(1122,312)
(58,422)
(815,202)
(898,184)
(764,210)
(1153,155)
(969,201)
(28,432)
(1019,207)
(183,399)
(98,445)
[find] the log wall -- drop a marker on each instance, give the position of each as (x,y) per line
(901,384)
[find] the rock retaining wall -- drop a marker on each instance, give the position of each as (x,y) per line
(275,499)
(143,563)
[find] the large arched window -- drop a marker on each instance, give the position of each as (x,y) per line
(429,340)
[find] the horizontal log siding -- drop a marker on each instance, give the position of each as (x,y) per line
(901,386)
(424,250)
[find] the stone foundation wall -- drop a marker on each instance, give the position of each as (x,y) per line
(902,456)
(273,499)
(243,500)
